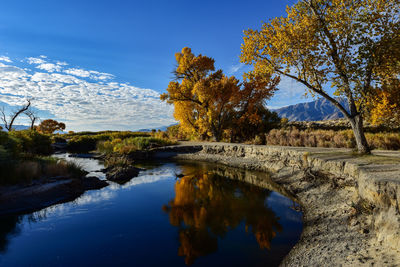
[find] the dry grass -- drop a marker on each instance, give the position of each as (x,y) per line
(330,138)
(27,170)
(387,227)
(129,145)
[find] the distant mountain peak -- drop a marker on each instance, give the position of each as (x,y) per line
(317,110)
(16,127)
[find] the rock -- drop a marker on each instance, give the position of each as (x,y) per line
(91,183)
(122,175)
(103,170)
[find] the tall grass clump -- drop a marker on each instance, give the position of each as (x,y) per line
(330,138)
(26,170)
(129,145)
(23,158)
(87,141)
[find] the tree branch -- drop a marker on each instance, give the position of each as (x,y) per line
(335,57)
(320,92)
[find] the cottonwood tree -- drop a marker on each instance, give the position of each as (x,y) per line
(350,45)
(206,101)
(8,123)
(50,126)
(384,105)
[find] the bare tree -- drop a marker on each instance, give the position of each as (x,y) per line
(32,115)
(9,123)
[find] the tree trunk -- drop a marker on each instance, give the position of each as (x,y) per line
(216,133)
(33,124)
(358,130)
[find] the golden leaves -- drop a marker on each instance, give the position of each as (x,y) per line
(206,207)
(384,104)
(345,43)
(50,126)
(207,102)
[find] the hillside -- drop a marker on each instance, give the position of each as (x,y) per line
(318,110)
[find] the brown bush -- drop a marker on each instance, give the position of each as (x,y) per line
(330,138)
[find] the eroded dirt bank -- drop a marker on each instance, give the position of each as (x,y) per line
(19,199)
(350,204)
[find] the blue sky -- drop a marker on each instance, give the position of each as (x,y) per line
(63,53)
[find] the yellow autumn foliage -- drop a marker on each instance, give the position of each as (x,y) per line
(349,45)
(384,105)
(204,210)
(206,102)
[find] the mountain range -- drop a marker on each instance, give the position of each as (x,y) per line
(317,110)
(16,127)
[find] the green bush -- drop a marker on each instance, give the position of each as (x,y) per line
(83,143)
(58,139)
(128,145)
(10,143)
(33,142)
(88,141)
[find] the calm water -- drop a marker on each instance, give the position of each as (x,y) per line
(157,219)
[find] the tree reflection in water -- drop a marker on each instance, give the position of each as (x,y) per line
(206,206)
(9,226)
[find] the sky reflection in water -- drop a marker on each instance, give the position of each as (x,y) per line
(157,219)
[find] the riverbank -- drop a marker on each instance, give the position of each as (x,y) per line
(42,193)
(350,202)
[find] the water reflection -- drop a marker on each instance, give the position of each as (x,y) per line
(9,227)
(206,206)
(210,209)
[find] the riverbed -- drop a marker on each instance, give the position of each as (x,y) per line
(172,214)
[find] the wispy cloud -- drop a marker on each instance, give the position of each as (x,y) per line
(49,67)
(84,99)
(289,92)
(5,59)
(36,60)
(95,75)
(235,68)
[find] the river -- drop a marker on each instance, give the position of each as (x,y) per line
(172,214)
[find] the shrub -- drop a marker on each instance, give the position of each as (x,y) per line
(330,138)
(117,162)
(174,132)
(87,141)
(33,142)
(26,170)
(83,143)
(128,145)
(10,143)
(58,139)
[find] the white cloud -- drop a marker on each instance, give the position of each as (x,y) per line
(35,60)
(49,67)
(78,72)
(289,92)
(43,63)
(94,75)
(92,102)
(5,59)
(235,68)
